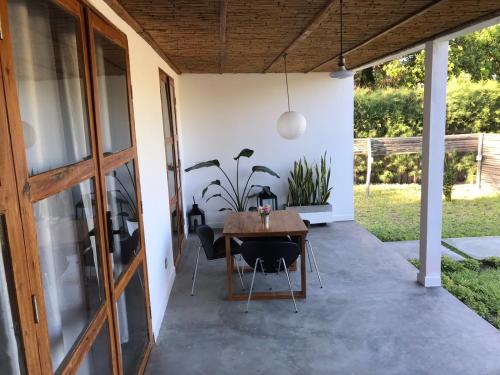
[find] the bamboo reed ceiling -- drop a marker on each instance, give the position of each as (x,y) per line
(249,36)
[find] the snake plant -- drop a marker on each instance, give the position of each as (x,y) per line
(309,185)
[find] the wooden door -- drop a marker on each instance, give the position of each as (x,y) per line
(83,242)
(120,190)
(173,161)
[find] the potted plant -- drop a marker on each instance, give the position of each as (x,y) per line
(309,190)
(231,192)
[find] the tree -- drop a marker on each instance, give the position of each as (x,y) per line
(476,54)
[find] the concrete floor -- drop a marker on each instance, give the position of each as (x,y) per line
(477,247)
(371,318)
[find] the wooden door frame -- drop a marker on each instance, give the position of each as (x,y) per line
(21,307)
(173,141)
(96,23)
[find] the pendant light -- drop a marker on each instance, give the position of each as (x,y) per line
(291,124)
(342,72)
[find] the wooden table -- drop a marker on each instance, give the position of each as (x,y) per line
(249,224)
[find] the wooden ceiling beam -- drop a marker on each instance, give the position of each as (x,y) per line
(485,17)
(223,23)
(132,22)
(306,31)
(386,31)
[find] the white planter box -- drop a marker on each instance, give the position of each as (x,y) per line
(315,214)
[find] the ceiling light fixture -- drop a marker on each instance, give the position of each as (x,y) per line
(291,124)
(342,71)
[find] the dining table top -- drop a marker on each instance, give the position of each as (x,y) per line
(250,223)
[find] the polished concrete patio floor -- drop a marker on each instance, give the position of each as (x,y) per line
(371,318)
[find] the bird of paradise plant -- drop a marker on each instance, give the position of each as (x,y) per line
(236,198)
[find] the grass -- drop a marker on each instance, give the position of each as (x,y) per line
(392,212)
(474,283)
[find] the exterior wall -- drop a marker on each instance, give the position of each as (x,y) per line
(222,114)
(144,65)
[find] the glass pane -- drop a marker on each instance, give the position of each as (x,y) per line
(172,105)
(50,83)
(111,64)
(11,353)
(98,359)
(122,214)
(165,110)
(169,148)
(175,234)
(69,260)
(131,310)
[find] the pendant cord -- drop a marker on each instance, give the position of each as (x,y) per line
(286,80)
(341,30)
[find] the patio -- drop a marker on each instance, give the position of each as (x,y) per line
(371,318)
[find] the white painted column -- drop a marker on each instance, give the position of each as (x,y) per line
(433,148)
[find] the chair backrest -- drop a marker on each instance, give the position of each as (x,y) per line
(206,236)
(270,252)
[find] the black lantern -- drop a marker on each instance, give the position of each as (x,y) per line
(196,216)
(266,196)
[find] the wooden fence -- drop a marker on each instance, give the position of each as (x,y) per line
(486,147)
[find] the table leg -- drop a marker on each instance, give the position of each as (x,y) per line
(303,265)
(229,263)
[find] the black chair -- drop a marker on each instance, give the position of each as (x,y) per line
(214,250)
(310,252)
(270,257)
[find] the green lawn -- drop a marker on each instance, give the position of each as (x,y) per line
(391,212)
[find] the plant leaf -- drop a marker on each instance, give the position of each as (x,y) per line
(215,182)
(203,164)
(260,168)
(246,152)
(214,196)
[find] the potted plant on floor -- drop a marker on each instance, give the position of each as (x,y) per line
(309,190)
(235,195)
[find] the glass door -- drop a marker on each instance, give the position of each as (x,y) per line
(121,192)
(83,292)
(18,349)
(173,164)
(56,169)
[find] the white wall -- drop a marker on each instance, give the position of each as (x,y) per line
(221,114)
(144,65)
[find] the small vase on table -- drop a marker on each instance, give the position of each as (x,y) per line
(264,212)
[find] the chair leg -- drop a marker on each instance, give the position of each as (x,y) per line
(315,264)
(195,269)
(289,284)
(308,255)
(239,273)
(251,285)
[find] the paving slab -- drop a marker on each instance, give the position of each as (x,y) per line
(477,247)
(410,249)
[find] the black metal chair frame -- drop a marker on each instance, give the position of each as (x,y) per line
(207,243)
(270,256)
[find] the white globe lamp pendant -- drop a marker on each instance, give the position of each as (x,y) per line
(291,124)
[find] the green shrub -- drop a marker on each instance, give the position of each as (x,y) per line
(493,262)
(472,107)
(450,175)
